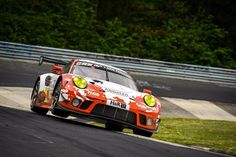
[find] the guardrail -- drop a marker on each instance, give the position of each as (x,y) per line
(146,66)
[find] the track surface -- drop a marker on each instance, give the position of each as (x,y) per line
(23,133)
(27,134)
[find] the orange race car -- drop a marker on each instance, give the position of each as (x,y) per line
(92,89)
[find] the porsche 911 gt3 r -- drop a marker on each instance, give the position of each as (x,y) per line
(96,90)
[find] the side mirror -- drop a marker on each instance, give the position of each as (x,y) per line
(147,91)
(57,69)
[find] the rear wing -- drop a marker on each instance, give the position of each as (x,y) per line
(51,60)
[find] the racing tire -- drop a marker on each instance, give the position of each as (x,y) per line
(33,107)
(56,96)
(113,126)
(142,132)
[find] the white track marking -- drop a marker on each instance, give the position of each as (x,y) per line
(15,97)
(202,109)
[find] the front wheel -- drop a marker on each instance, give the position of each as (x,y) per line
(56,96)
(34,96)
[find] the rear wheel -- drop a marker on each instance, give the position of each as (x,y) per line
(34,95)
(56,96)
(113,126)
(142,132)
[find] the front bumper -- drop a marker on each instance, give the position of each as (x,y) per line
(97,108)
(99,116)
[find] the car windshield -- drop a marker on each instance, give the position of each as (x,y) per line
(104,73)
(122,80)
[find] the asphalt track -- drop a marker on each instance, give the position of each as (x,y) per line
(28,134)
(23,133)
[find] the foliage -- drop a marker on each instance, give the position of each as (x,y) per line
(219,136)
(170,30)
(114,39)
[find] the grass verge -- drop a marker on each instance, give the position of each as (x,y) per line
(218,136)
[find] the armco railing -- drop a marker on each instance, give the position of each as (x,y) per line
(146,66)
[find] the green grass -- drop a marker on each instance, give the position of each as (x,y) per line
(218,136)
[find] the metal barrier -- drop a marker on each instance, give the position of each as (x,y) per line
(146,66)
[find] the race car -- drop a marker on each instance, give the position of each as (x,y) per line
(99,91)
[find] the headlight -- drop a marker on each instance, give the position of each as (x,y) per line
(149,100)
(80,82)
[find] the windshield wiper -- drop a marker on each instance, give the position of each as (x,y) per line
(107,78)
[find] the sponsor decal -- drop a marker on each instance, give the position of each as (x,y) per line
(151,109)
(93,93)
(67,79)
(147,108)
(99,66)
(85,64)
(154,109)
(48,80)
(64,90)
(46,91)
(115,92)
(41,97)
(116,104)
(143,106)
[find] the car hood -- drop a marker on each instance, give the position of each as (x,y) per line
(113,90)
(111,93)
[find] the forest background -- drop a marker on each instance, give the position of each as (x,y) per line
(201,32)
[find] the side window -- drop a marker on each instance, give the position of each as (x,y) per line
(66,68)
